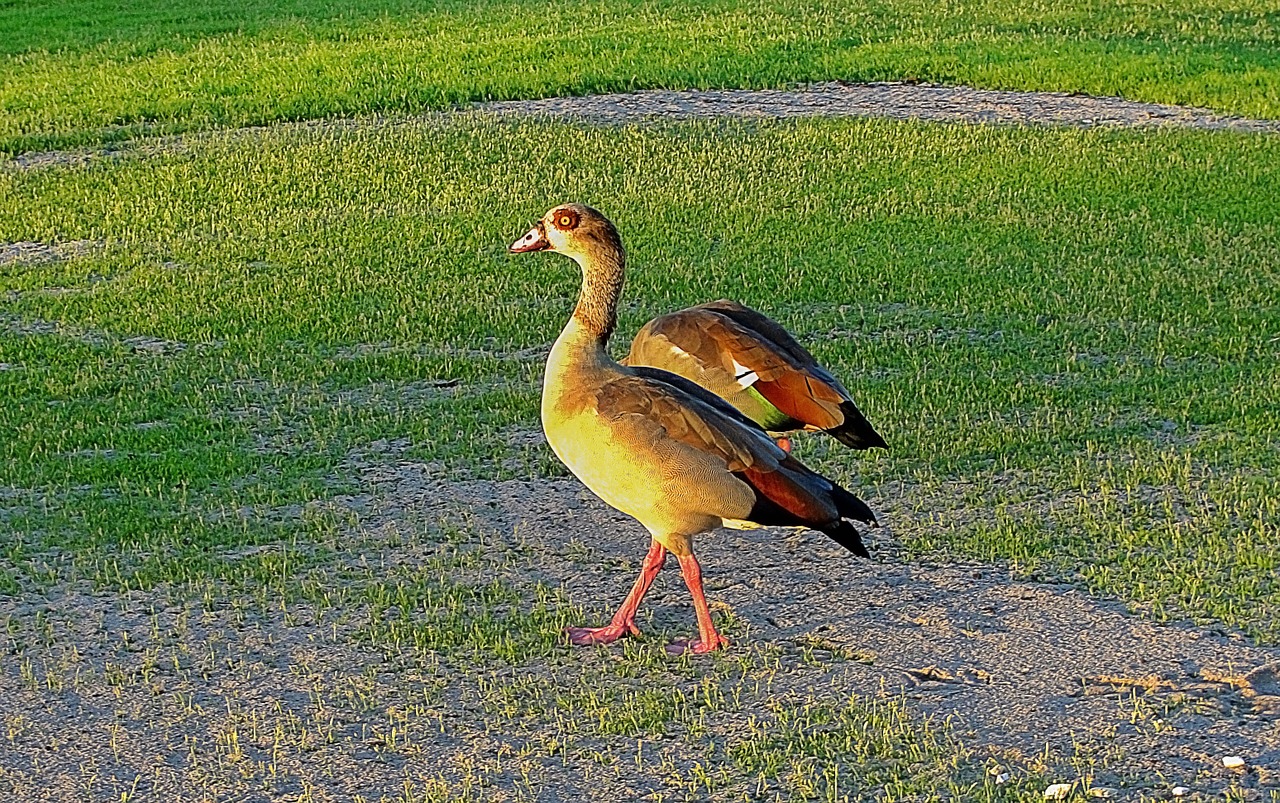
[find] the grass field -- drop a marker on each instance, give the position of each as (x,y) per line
(1071,333)
(84,72)
(1068,337)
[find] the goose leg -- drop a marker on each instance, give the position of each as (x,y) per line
(708,639)
(624,621)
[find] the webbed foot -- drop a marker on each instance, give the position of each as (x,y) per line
(582,636)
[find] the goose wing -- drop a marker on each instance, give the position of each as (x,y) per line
(662,404)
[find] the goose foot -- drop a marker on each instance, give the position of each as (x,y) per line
(624,621)
(697,646)
(582,636)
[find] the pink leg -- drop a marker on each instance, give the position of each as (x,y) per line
(708,638)
(624,621)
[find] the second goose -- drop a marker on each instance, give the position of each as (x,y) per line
(750,361)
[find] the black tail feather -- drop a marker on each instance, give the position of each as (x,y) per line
(795,496)
(856,432)
(851,507)
(846,535)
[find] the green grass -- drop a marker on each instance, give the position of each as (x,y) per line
(1068,337)
(86,72)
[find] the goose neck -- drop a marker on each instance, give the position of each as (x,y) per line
(603,273)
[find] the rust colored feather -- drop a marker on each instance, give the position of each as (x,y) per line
(804,398)
(718,344)
(793,495)
(785,489)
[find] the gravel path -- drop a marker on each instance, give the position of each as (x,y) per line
(897,101)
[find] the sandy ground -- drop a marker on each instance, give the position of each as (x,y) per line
(1016,664)
(899,101)
(177,699)
(902,101)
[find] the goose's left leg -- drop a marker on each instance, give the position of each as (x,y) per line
(708,639)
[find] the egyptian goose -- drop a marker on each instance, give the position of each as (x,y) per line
(750,361)
(659,448)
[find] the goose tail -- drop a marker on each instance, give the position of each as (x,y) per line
(856,432)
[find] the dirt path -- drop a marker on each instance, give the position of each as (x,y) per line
(893,100)
(230,699)
(1018,665)
(898,101)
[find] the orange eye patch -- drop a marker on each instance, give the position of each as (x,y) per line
(566,219)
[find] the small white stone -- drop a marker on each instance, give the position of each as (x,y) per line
(1232,762)
(1181,791)
(1057,791)
(1002,778)
(1104,792)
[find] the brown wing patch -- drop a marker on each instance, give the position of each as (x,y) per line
(763,326)
(715,341)
(789,383)
(688,330)
(686,420)
(721,336)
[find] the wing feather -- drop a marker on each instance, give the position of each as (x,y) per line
(727,347)
(668,404)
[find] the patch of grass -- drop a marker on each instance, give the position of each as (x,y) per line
(791,748)
(86,72)
(825,751)
(424,612)
(1068,337)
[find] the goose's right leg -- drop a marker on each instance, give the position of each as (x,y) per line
(624,621)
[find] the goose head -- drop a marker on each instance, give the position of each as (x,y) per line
(575,230)
(588,238)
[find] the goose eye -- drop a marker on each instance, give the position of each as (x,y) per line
(566,220)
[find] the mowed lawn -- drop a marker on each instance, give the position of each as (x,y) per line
(84,71)
(1068,337)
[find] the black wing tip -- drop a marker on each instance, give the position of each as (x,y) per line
(851,507)
(860,438)
(847,536)
(842,531)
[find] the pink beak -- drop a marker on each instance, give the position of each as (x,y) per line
(533,240)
